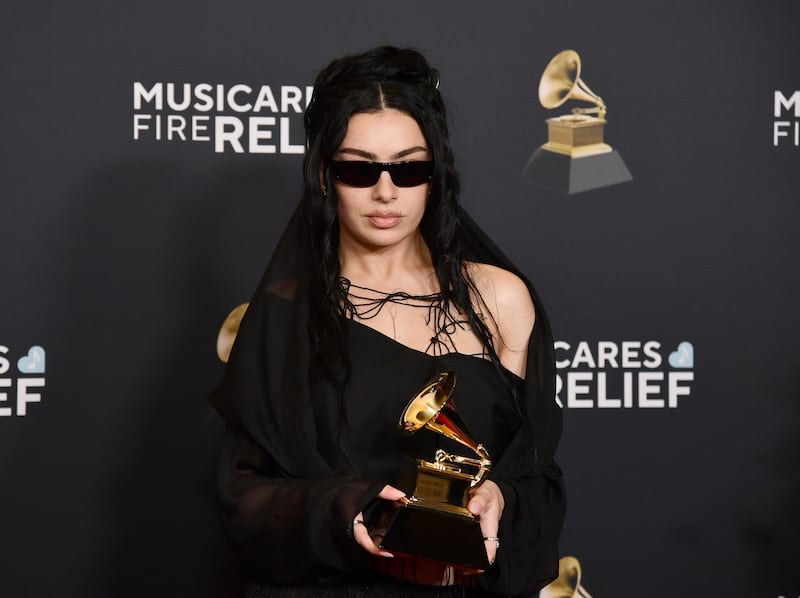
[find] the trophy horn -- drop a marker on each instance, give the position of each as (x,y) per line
(434,409)
(568,583)
(561,81)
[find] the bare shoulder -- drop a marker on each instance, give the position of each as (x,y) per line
(505,295)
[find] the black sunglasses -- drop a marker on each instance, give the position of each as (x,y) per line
(357,173)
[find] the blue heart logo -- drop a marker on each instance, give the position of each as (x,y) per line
(683,357)
(33,362)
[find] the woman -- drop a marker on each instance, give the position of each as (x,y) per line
(379,282)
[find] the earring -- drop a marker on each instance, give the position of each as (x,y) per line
(324,192)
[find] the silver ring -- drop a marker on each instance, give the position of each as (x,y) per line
(359,522)
(494,539)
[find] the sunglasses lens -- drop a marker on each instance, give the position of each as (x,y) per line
(411,174)
(355,173)
(365,174)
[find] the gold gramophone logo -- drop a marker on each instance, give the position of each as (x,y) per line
(568,583)
(575,157)
(228,331)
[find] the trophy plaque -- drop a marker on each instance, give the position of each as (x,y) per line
(433,521)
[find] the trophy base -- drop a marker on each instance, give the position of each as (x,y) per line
(426,532)
(567,174)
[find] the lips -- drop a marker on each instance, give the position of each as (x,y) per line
(384,219)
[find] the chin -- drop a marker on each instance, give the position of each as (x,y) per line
(383,238)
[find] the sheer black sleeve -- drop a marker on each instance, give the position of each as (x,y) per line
(289,531)
(531,523)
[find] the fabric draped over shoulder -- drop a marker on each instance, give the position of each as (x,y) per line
(265,398)
(265,388)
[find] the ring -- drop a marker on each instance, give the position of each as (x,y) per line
(494,539)
(358,522)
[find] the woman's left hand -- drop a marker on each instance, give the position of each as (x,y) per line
(486,503)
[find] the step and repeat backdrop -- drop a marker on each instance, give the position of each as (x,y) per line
(151,155)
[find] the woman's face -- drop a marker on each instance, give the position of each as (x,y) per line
(382,215)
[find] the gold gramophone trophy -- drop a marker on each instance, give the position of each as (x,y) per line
(575,157)
(434,521)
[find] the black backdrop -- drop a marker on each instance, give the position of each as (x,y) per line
(119,258)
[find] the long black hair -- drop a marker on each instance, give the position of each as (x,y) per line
(372,81)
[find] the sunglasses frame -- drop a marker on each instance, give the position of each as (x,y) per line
(376,168)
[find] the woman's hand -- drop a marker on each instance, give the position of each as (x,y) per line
(487,504)
(360,531)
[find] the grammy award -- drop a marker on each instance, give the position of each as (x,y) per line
(575,157)
(433,521)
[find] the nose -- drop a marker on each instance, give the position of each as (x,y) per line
(385,189)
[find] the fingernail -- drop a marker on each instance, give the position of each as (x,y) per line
(388,555)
